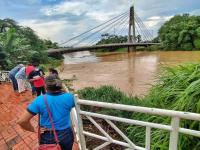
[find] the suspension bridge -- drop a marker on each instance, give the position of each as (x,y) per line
(125,30)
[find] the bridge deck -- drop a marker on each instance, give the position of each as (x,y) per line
(95,47)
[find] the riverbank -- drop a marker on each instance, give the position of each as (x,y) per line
(177,89)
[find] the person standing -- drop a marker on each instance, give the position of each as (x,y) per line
(59,107)
(28,70)
(53,71)
(12,74)
(37,78)
(21,77)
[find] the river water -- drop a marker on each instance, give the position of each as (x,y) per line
(134,73)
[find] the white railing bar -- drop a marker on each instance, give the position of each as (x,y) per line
(114,141)
(148,138)
(128,121)
(102,146)
(96,136)
(189,132)
(4,71)
(121,134)
(153,111)
(80,129)
(75,125)
(100,128)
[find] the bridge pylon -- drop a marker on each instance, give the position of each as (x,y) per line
(131,31)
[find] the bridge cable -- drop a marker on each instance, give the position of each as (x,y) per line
(141,29)
(141,26)
(106,31)
(144,26)
(93,28)
(111,24)
(83,39)
(123,26)
(145,37)
(126,24)
(120,23)
(138,33)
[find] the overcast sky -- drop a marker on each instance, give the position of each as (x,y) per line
(59,20)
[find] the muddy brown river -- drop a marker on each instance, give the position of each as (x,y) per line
(134,73)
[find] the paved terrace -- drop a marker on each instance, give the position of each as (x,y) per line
(11,107)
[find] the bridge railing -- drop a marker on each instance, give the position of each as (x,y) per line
(174,128)
(4,76)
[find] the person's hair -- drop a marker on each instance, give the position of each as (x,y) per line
(21,65)
(53,71)
(29,63)
(35,64)
(53,83)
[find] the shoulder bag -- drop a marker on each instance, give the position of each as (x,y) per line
(48,146)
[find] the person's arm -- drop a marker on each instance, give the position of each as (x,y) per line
(35,78)
(24,121)
(32,110)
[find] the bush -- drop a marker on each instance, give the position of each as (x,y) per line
(197,43)
(186,46)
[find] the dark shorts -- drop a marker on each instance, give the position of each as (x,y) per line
(40,90)
(65,137)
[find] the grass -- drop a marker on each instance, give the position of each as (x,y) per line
(122,50)
(178,88)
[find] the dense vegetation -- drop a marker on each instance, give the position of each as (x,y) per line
(20,44)
(182,32)
(108,39)
(178,88)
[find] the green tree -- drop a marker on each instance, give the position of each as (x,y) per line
(3,61)
(108,39)
(180,32)
(21,44)
(197,44)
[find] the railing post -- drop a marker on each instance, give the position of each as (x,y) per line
(173,143)
(81,136)
(148,138)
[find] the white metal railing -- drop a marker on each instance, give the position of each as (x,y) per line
(4,76)
(173,128)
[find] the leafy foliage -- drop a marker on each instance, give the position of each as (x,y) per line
(3,56)
(181,32)
(108,39)
(21,44)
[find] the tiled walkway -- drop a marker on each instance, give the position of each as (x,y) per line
(11,107)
